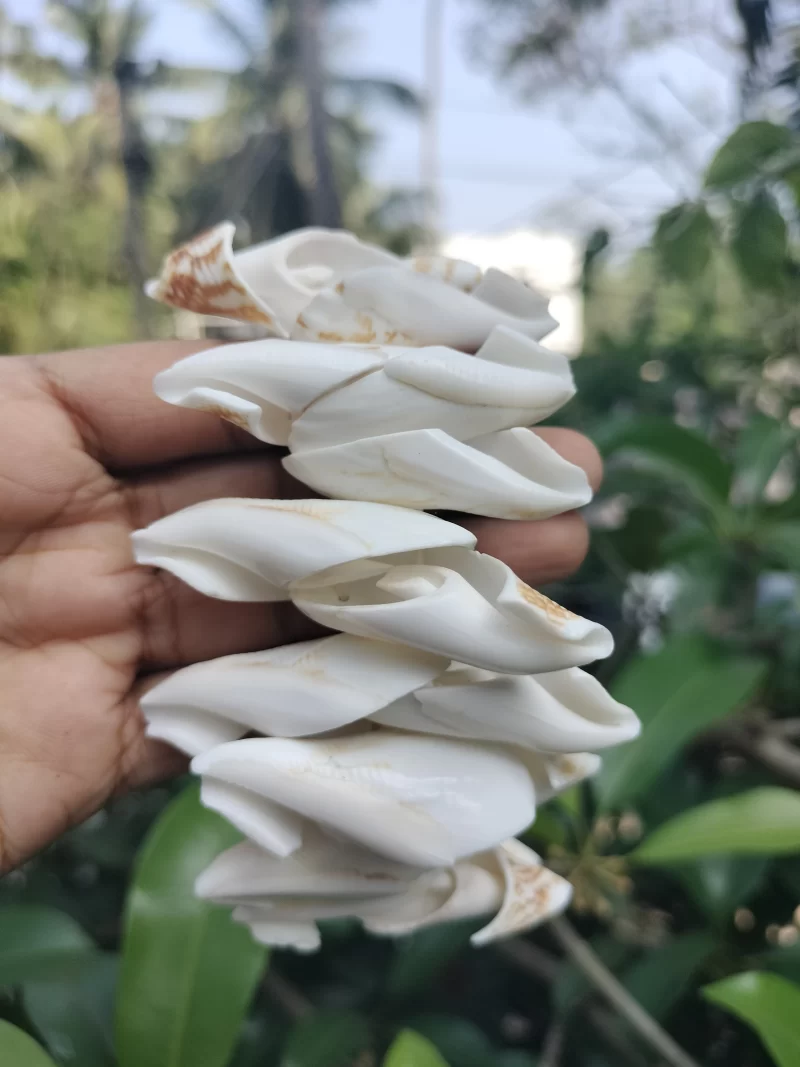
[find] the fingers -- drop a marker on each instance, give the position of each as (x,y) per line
(146,762)
(541,552)
(160,492)
(108,392)
(181,626)
(577,449)
(155,494)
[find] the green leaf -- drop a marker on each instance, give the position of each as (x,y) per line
(720,884)
(769,1004)
(677,693)
(745,152)
(761,446)
(760,822)
(759,241)
(327,1039)
(75,1017)
(642,542)
(675,452)
(188,972)
(261,1039)
(660,978)
(683,241)
(63,978)
(365,90)
(20,1050)
(41,942)
(421,957)
(413,1050)
(782,541)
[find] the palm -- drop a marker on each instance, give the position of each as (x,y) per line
(109,37)
(90,454)
(80,625)
(264,131)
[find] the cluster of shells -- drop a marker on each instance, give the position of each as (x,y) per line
(382,772)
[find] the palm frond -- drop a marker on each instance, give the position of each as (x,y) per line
(76,17)
(230,27)
(756,18)
(365,90)
(134,21)
(166,76)
(17,151)
(40,72)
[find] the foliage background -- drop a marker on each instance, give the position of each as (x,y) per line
(683,944)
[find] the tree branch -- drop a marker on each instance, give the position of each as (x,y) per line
(772,748)
(617,995)
(553,1046)
(546,967)
(284,994)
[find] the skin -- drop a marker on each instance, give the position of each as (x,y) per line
(88,455)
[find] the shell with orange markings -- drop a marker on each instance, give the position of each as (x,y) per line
(376,572)
(281,899)
(326,285)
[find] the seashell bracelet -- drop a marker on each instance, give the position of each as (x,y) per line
(382,772)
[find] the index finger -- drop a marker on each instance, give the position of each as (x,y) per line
(108,393)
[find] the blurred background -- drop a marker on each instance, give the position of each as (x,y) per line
(641,164)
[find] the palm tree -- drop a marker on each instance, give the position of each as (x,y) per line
(110,36)
(326,208)
(295,119)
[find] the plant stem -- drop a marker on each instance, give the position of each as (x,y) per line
(617,995)
(553,1046)
(284,994)
(772,747)
(546,967)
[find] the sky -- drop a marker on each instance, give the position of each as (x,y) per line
(562,165)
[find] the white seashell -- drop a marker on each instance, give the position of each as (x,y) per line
(280,899)
(253,549)
(323,867)
(463,605)
(557,712)
(464,276)
(554,774)
(273,826)
(421,428)
(263,385)
(268,284)
(311,396)
(512,474)
(533,894)
(396,305)
(439,896)
(421,801)
(302,937)
(294,691)
(510,880)
(325,285)
(467,677)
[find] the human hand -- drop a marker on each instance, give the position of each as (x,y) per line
(88,454)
